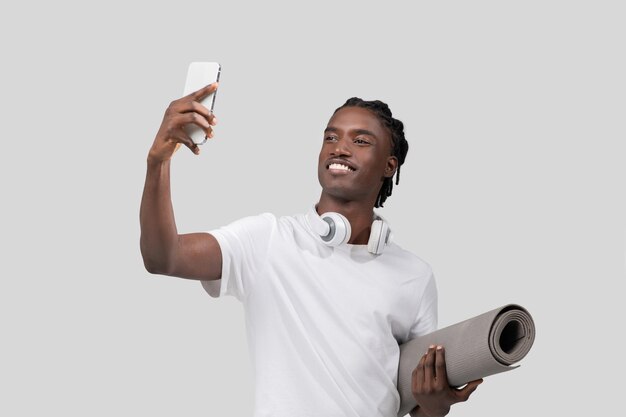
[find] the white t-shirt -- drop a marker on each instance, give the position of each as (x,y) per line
(323,323)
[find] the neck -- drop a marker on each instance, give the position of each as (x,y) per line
(359,214)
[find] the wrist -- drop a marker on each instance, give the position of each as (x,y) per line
(418,412)
(154,162)
(421,412)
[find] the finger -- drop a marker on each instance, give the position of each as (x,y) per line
(196,119)
(194,106)
(429,366)
(464,393)
(185,105)
(418,374)
(204,91)
(181,137)
(190,107)
(440,367)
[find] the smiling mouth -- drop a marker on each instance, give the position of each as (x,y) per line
(339,167)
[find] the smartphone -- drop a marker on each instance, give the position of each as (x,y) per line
(199,75)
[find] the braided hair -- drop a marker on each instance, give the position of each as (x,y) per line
(399,145)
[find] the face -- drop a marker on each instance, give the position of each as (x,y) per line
(355,156)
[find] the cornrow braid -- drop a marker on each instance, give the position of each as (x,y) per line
(400,146)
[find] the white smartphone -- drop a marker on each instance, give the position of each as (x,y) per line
(199,75)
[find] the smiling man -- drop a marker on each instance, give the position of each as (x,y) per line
(327,296)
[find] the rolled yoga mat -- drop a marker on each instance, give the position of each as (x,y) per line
(475,348)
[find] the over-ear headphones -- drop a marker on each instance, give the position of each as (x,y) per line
(334,229)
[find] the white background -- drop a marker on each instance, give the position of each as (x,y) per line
(513,189)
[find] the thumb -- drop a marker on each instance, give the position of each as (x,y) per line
(464,393)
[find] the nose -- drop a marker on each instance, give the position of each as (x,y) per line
(341,148)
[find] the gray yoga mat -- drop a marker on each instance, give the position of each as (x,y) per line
(475,348)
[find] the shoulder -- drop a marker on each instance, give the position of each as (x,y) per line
(408,261)
(258,219)
(250,225)
(268,224)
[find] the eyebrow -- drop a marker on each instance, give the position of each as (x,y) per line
(356,131)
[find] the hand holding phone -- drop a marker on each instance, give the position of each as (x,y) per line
(199,75)
(188,120)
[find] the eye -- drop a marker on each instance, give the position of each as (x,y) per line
(330,138)
(361,141)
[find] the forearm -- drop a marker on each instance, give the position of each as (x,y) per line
(159,236)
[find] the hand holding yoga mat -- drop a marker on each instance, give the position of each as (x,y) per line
(475,348)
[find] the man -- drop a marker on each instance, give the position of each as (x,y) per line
(323,320)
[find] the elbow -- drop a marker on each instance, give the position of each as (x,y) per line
(157,268)
(152,267)
(154,263)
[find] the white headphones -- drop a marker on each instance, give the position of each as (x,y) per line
(334,229)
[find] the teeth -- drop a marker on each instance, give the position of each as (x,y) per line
(339,166)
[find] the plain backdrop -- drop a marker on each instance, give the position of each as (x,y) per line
(513,188)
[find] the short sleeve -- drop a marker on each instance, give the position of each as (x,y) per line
(426,319)
(244,245)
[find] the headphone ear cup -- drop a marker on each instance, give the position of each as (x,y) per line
(340,229)
(379,236)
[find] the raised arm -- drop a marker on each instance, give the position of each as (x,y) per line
(164,251)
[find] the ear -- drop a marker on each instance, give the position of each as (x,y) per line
(392,166)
